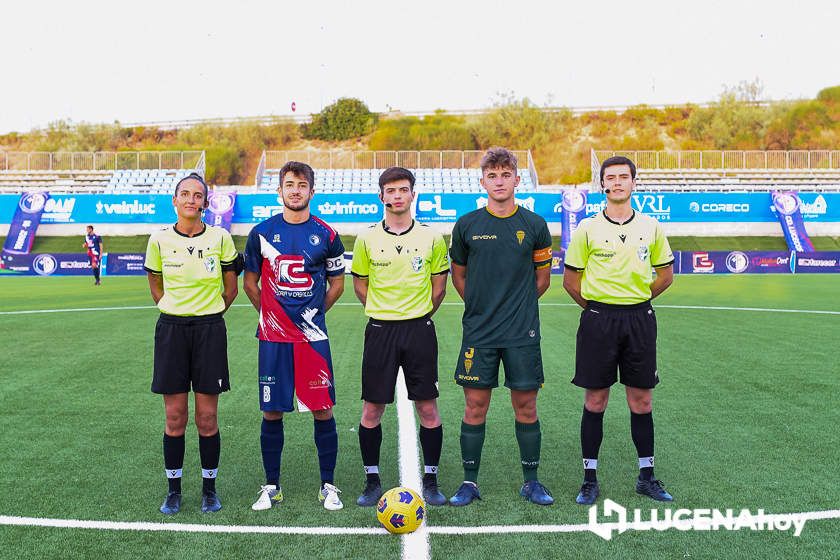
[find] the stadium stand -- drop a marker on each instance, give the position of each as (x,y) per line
(817,170)
(99,172)
(449,172)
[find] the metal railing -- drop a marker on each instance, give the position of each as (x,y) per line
(100,161)
(728,159)
(431,159)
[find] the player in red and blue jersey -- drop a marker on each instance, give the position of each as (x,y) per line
(93,244)
(294,272)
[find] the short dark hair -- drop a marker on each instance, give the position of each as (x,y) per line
(195,176)
(300,169)
(89,227)
(618,160)
(497,157)
(396,174)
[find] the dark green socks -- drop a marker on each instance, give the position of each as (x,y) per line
(529,438)
(472,440)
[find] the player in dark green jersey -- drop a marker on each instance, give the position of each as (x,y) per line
(609,273)
(501,259)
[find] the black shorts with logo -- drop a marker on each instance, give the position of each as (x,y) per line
(190,351)
(389,345)
(616,337)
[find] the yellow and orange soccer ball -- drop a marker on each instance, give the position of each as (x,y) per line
(401,510)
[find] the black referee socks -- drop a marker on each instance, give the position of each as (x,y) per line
(173,460)
(431,441)
(591,435)
(641,428)
(370,440)
(209,448)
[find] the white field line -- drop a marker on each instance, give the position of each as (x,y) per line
(348,304)
(415,546)
(8,520)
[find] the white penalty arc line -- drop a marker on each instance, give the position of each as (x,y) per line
(415,546)
(9,520)
(458,304)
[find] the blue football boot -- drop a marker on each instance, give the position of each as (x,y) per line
(589,492)
(654,489)
(210,502)
(535,492)
(172,504)
(465,495)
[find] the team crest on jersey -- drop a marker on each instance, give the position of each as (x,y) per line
(276,238)
(314,239)
(643,253)
(210,264)
(417,263)
(520,236)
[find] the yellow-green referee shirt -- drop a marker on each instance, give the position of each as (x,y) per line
(399,268)
(191,268)
(617,260)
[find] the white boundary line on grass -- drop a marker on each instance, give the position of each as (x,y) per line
(415,546)
(9,520)
(696,307)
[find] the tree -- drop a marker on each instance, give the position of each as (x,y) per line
(346,118)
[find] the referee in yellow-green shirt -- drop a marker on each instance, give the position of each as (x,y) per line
(399,272)
(192,269)
(609,272)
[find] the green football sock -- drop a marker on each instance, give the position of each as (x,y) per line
(472,440)
(529,438)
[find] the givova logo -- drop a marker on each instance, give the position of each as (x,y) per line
(703,519)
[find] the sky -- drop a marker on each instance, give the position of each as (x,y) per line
(149,61)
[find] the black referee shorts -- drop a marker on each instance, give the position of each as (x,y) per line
(616,337)
(190,351)
(389,345)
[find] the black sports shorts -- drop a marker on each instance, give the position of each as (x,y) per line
(389,345)
(616,337)
(190,351)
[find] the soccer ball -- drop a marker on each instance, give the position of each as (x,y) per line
(401,510)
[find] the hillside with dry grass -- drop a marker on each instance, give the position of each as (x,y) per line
(559,140)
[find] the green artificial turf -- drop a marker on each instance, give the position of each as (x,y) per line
(744,418)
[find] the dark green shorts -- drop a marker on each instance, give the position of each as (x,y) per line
(479,367)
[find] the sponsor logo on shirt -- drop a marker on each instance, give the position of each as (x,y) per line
(483,237)
(291,273)
(604,254)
